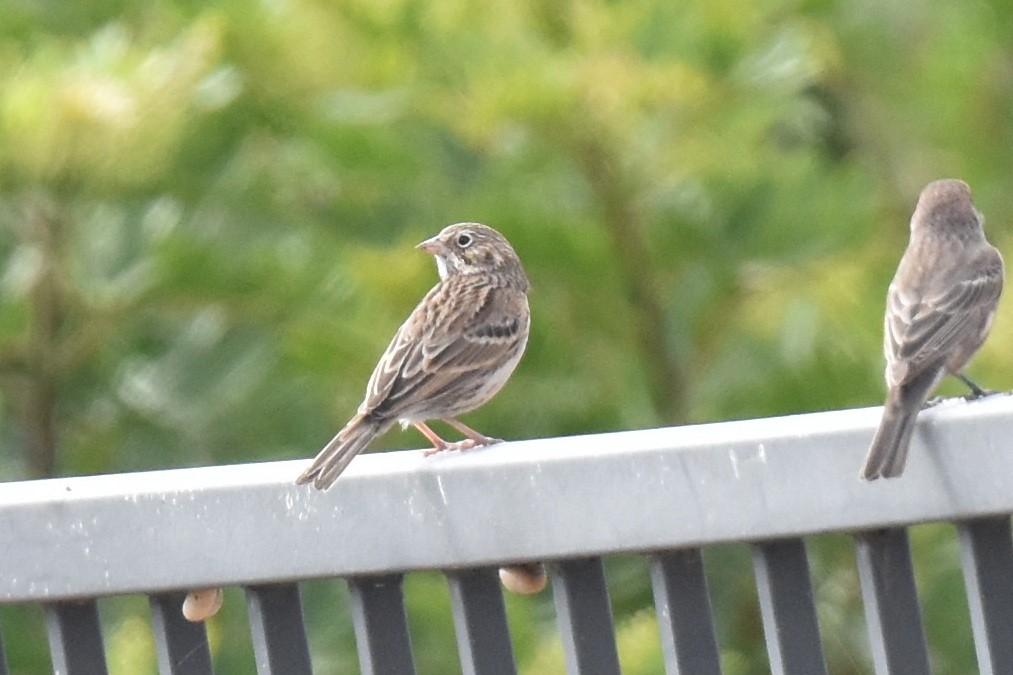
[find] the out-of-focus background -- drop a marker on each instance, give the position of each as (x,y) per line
(208,212)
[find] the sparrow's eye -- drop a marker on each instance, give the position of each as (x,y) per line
(464,240)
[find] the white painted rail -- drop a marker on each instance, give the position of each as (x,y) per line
(662,492)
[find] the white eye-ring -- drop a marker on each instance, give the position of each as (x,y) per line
(464,240)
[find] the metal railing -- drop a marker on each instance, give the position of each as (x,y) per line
(663,493)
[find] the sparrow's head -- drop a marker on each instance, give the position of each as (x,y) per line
(945,206)
(473,248)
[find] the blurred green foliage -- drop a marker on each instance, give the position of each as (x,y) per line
(207,211)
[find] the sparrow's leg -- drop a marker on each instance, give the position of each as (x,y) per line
(439,445)
(976,391)
(475,439)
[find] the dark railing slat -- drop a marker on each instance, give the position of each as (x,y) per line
(277,629)
(381,625)
(3,656)
(986,552)
(585,616)
(790,624)
(75,638)
(181,645)
(684,613)
(892,611)
(480,621)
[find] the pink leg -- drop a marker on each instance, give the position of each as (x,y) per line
(439,445)
(475,439)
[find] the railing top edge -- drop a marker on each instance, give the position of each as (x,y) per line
(393,462)
(539,499)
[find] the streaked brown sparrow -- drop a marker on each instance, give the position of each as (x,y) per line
(453,353)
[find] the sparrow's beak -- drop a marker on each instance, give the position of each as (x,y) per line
(431,246)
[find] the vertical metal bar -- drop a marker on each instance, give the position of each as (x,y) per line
(684,613)
(75,638)
(3,656)
(181,645)
(786,604)
(277,628)
(480,621)
(896,635)
(381,625)
(986,552)
(585,616)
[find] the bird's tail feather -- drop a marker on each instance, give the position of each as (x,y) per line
(335,457)
(888,452)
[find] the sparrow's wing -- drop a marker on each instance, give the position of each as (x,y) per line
(478,332)
(922,329)
(462,329)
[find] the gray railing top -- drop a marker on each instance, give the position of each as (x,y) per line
(530,500)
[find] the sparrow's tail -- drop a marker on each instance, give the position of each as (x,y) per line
(340,451)
(888,452)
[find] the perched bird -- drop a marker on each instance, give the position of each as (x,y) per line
(939,310)
(453,353)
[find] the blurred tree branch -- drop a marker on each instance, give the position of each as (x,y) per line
(41,232)
(614,191)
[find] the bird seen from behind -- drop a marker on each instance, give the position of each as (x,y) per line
(939,309)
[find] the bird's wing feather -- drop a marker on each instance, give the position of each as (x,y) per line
(922,328)
(461,326)
(478,339)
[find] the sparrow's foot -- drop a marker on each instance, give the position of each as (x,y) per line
(435,451)
(480,442)
(449,447)
(460,446)
(473,440)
